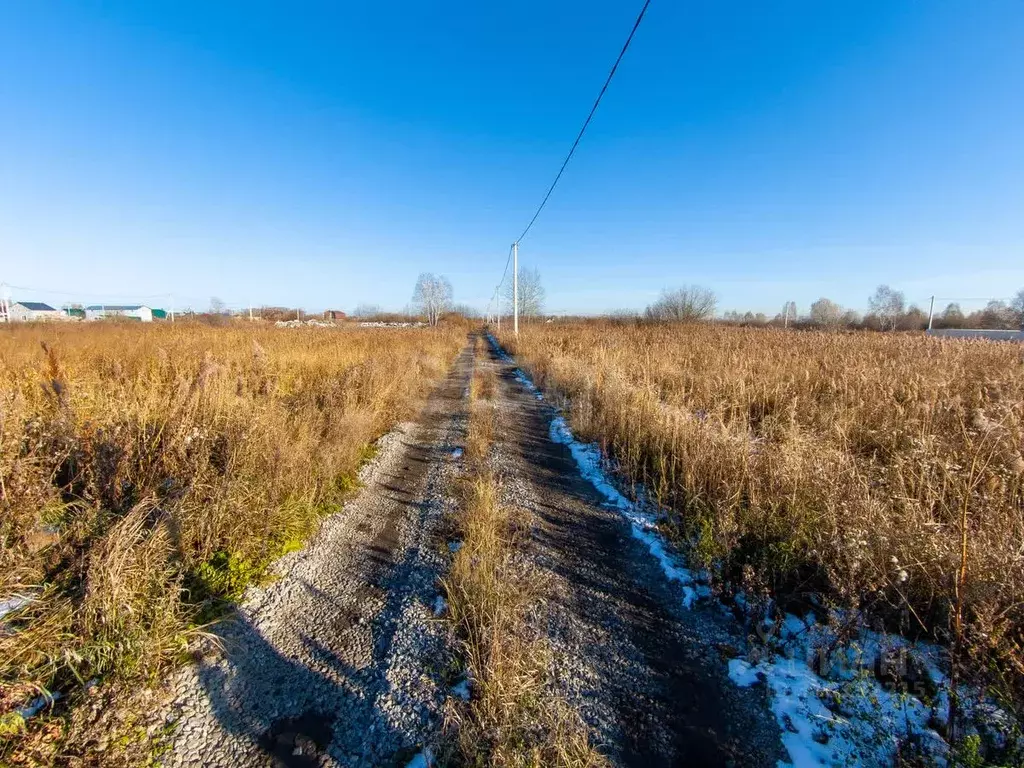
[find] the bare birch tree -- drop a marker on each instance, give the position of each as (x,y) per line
(531,293)
(888,306)
(433,296)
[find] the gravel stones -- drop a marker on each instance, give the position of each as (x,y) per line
(334,663)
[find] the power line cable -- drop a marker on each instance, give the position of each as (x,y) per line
(88,293)
(505,271)
(572,151)
(977,298)
(586,122)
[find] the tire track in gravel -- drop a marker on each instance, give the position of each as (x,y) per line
(340,661)
(644,672)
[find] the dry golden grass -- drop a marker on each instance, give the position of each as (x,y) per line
(514,718)
(883,471)
(149,473)
(480,435)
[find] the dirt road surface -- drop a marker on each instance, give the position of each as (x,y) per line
(343,662)
(645,672)
(339,661)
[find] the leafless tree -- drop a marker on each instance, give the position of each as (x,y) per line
(789,313)
(364,311)
(531,293)
(888,306)
(688,304)
(914,319)
(952,317)
(997,314)
(433,296)
(466,311)
(217,307)
(826,312)
(851,318)
(1017,305)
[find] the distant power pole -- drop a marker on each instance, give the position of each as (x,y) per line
(931,312)
(515,287)
(5,304)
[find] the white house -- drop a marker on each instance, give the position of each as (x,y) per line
(128,311)
(34,310)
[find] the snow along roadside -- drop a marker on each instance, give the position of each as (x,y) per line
(842,716)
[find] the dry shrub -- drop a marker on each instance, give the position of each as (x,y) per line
(149,473)
(820,463)
(131,613)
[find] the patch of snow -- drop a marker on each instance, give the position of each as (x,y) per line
(498,350)
(642,524)
(14,603)
(461,690)
(852,720)
(457,453)
(742,673)
(440,605)
(523,379)
(454,546)
(424,759)
(793,626)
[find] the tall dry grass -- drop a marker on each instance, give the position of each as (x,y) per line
(514,717)
(149,473)
(882,471)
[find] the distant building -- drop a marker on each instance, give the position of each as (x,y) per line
(27,311)
(127,311)
(334,314)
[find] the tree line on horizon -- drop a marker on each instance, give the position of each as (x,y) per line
(888,310)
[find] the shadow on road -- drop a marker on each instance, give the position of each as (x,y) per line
(294,710)
(677,707)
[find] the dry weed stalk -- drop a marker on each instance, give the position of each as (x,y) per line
(149,473)
(883,471)
(514,718)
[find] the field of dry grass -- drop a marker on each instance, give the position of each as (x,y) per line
(881,471)
(149,473)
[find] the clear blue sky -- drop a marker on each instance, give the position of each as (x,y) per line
(323,154)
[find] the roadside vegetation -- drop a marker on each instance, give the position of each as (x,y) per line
(513,718)
(880,473)
(148,474)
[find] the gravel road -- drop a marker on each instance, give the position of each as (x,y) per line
(341,661)
(646,674)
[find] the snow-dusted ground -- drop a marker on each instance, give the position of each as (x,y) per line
(14,603)
(832,710)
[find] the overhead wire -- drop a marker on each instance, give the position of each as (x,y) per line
(590,116)
(87,293)
(575,144)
